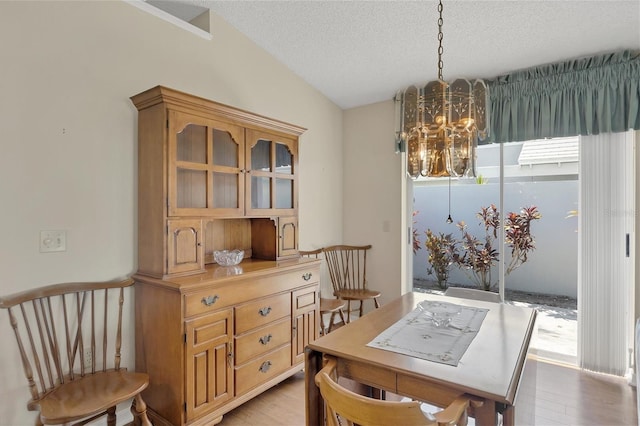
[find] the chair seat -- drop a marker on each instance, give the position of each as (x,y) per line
(357,294)
(90,395)
(330,305)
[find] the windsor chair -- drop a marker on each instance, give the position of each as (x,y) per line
(347,265)
(343,406)
(70,341)
(331,307)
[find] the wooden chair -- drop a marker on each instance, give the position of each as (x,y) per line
(348,272)
(472,293)
(342,404)
(70,339)
(329,307)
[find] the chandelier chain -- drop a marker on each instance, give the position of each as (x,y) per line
(440,36)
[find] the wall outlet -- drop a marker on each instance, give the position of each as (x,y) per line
(88,358)
(53,241)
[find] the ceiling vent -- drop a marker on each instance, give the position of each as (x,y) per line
(185,15)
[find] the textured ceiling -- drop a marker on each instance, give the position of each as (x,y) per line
(361,52)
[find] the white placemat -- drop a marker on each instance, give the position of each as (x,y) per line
(416,334)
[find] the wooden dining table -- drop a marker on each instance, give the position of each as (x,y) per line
(491,368)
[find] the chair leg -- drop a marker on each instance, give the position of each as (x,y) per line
(322,326)
(331,319)
(360,310)
(375,301)
(139,411)
(344,321)
(111,416)
(348,311)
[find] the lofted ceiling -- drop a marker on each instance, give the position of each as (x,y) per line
(361,52)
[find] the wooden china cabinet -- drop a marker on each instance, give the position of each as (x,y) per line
(212,177)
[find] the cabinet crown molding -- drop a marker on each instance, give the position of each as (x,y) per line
(176,98)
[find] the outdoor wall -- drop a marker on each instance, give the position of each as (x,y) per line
(552,268)
(69,141)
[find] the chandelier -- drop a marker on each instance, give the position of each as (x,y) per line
(441,123)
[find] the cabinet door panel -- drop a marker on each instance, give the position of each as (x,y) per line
(191,144)
(284,191)
(193,194)
(184,246)
(288,236)
(225,193)
(226,150)
(305,321)
(209,374)
(260,192)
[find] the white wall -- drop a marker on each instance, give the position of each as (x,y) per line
(68,157)
(552,268)
(373,194)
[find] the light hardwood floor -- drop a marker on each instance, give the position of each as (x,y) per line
(563,396)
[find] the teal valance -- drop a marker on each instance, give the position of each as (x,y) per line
(588,96)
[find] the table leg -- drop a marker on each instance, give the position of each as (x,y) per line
(486,414)
(509,416)
(314,407)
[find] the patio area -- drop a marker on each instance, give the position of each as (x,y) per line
(557,330)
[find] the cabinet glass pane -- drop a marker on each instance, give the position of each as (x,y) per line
(192,144)
(260,192)
(225,149)
(225,191)
(261,156)
(284,194)
(192,189)
(284,159)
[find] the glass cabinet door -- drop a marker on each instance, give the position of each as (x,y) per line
(271,167)
(206,170)
(227,171)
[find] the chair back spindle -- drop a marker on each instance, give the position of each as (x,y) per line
(347,266)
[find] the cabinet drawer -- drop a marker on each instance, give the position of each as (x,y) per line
(262,369)
(307,276)
(209,300)
(262,340)
(261,312)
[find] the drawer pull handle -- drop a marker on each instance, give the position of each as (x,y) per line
(307,276)
(265,311)
(265,366)
(210,300)
(266,339)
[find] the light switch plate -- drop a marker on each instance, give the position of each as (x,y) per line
(53,241)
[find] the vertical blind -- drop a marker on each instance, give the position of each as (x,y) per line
(606,257)
(587,96)
(598,98)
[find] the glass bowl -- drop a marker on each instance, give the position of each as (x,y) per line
(440,313)
(228,257)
